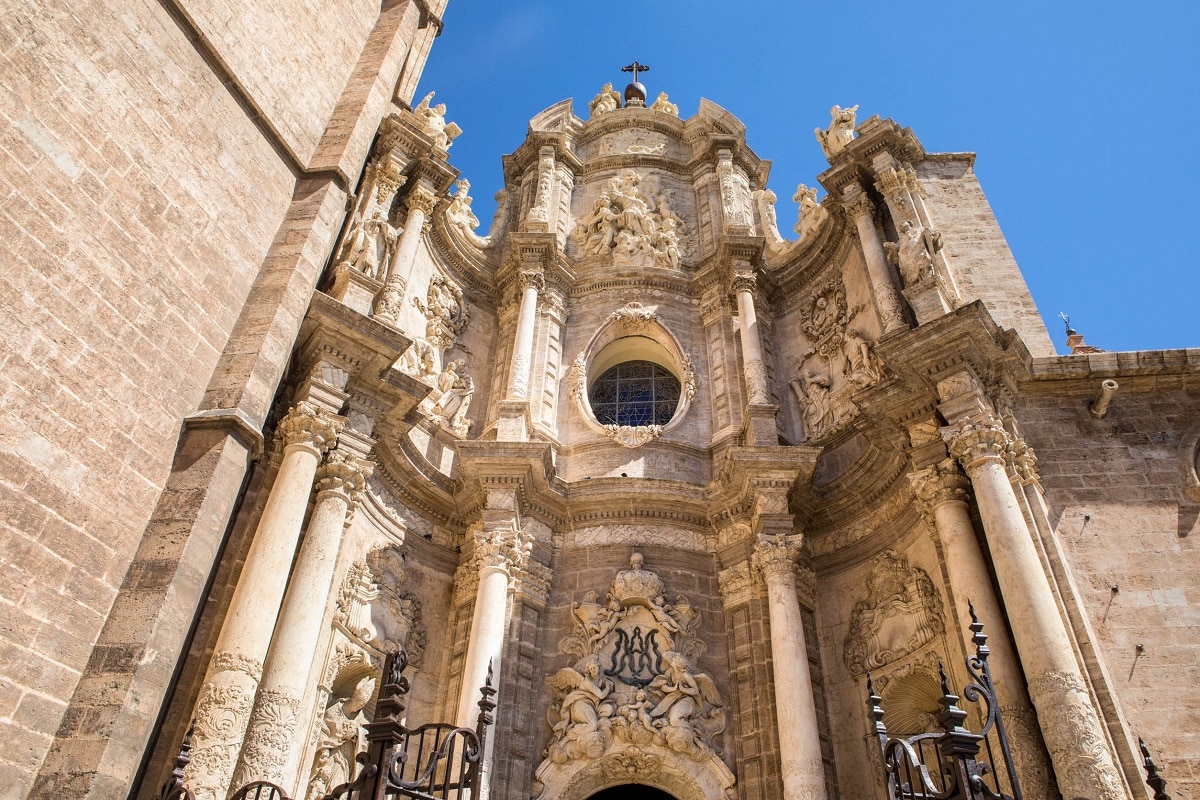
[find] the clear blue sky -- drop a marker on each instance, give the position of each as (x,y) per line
(1084,116)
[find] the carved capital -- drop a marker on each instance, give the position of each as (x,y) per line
(1022,461)
(744,281)
(893,185)
(505,549)
(974,442)
(388,181)
(776,558)
(343,475)
(939,484)
(535,278)
(268,738)
(857,203)
(421,198)
(308,425)
(736,584)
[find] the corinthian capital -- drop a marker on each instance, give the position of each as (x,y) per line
(938,484)
(775,557)
(744,281)
(505,549)
(421,198)
(1022,461)
(856,202)
(974,442)
(308,425)
(893,184)
(344,475)
(531,277)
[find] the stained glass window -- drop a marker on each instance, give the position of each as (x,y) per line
(635,393)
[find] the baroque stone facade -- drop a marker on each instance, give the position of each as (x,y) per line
(679,480)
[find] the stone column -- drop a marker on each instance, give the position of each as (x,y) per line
(531,282)
(421,200)
(802,769)
(879,273)
(223,708)
(756,371)
(1070,725)
(272,735)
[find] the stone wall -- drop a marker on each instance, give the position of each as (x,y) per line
(1116,491)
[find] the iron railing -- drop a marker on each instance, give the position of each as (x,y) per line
(954,763)
(436,761)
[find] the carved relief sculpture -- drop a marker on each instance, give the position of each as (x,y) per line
(735,192)
(446,316)
(633,684)
(341,739)
(840,132)
(623,223)
(455,389)
(901,613)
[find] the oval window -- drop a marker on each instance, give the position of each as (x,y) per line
(635,394)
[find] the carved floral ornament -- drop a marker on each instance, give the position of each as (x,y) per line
(633,701)
(633,332)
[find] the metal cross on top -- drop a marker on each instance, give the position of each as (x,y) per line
(635,68)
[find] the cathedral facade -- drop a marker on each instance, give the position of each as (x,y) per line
(690,490)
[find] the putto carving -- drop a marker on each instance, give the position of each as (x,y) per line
(446,316)
(633,683)
(624,224)
(812,213)
(840,131)
(901,613)
(609,99)
(663,104)
(433,123)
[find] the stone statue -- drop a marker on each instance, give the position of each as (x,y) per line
(609,99)
(459,213)
(840,132)
(914,252)
(765,200)
(812,393)
(581,720)
(455,389)
(862,365)
(664,105)
(624,224)
(433,123)
(368,246)
(341,738)
(812,213)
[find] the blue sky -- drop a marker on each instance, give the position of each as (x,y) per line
(1084,116)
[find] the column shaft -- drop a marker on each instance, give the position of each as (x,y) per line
(272,741)
(486,645)
(756,372)
(801,766)
(879,272)
(1070,725)
(518,379)
(223,708)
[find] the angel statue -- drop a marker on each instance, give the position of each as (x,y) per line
(680,713)
(581,721)
(609,99)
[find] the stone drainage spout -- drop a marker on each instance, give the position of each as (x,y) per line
(1099,406)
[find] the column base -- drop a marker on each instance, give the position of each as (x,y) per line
(513,424)
(760,425)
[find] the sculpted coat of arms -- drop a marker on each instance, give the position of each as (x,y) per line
(634,683)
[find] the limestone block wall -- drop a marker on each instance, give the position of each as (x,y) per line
(1116,491)
(983,265)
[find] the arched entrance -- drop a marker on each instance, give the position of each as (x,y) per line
(631,791)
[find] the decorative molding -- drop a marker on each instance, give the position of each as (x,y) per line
(901,613)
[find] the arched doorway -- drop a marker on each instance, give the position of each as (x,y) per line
(631,791)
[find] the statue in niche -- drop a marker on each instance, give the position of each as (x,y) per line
(581,721)
(609,99)
(624,224)
(862,365)
(840,132)
(368,246)
(456,389)
(433,123)
(680,713)
(663,104)
(812,213)
(812,394)
(341,739)
(914,252)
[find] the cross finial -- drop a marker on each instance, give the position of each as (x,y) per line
(635,68)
